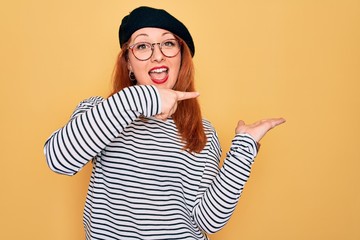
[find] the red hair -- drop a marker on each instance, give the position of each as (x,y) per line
(187,117)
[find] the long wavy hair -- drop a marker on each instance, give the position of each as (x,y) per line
(187,117)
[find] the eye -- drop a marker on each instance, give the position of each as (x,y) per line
(143,46)
(170,43)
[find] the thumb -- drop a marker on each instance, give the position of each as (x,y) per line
(186,95)
(240,127)
(241,123)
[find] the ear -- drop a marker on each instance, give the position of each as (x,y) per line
(129,66)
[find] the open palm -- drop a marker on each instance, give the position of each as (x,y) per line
(258,129)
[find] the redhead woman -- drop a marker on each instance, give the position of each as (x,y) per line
(155,159)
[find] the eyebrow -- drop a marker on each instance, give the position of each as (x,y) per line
(146,35)
(141,34)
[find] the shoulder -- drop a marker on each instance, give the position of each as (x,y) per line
(213,143)
(209,129)
(207,125)
(92,101)
(87,104)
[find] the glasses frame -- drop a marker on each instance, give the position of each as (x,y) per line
(131,47)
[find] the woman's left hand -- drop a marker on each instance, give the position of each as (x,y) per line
(258,129)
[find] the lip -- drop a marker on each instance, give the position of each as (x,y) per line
(159,81)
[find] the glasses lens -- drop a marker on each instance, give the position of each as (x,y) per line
(142,50)
(170,47)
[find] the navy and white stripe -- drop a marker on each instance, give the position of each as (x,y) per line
(143,184)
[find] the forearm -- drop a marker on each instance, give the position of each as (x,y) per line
(219,200)
(81,139)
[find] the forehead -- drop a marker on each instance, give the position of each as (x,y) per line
(151,33)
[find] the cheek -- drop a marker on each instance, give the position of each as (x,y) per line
(141,76)
(138,68)
(177,66)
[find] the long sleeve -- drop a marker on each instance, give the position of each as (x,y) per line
(95,123)
(221,189)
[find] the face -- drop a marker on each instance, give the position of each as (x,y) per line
(158,70)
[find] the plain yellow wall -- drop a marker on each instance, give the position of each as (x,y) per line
(254,59)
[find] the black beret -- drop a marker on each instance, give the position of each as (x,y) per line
(142,17)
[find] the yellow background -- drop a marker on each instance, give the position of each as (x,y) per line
(254,59)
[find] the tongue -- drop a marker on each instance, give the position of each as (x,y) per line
(158,76)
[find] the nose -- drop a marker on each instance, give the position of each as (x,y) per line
(157,54)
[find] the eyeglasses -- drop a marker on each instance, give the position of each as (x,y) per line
(144,50)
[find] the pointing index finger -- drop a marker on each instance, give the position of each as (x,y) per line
(186,95)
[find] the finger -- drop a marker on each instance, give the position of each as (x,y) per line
(186,95)
(277,121)
(240,127)
(172,110)
(158,116)
(162,117)
(165,115)
(241,123)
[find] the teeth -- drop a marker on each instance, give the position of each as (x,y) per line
(159,70)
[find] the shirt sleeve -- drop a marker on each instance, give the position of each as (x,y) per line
(95,123)
(220,189)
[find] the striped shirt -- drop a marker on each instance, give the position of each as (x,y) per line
(143,184)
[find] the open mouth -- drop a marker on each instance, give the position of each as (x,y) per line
(159,74)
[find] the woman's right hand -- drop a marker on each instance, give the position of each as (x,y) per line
(170,99)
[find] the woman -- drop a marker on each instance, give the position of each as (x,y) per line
(155,160)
